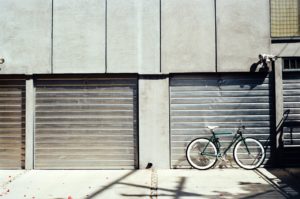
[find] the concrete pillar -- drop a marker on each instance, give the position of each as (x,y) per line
(279,108)
(154,122)
(29,124)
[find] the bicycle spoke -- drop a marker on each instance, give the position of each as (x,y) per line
(249,153)
(201,154)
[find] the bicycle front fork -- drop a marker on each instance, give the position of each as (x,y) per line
(246,146)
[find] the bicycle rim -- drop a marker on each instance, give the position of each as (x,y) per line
(251,158)
(201,154)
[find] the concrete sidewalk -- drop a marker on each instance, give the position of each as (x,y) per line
(165,184)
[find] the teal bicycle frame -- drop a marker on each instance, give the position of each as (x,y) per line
(215,140)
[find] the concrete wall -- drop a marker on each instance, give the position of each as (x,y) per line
(79,36)
(25,38)
(243,32)
(154,122)
(188,36)
(286,49)
(29,119)
(279,109)
(133,36)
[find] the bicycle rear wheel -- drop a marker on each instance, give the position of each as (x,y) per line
(201,154)
(249,153)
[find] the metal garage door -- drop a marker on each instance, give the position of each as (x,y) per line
(12,123)
(291,129)
(221,100)
(86,124)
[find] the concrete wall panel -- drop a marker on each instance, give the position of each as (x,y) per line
(79,36)
(243,32)
(25,38)
(133,36)
(29,136)
(154,123)
(286,49)
(188,36)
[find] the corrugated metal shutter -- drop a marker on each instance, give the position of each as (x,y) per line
(217,100)
(12,123)
(86,124)
(291,127)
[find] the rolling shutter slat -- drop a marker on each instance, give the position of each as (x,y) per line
(218,100)
(291,127)
(12,123)
(86,124)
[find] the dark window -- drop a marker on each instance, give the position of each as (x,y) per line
(291,63)
(285,18)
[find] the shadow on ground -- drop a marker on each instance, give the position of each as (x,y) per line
(279,183)
(285,180)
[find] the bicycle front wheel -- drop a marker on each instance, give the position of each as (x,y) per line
(249,153)
(201,154)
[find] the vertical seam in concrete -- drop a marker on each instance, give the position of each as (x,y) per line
(105,36)
(52,38)
(216,37)
(160,68)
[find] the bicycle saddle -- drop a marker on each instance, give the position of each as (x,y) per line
(212,127)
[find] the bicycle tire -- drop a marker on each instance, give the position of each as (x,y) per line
(252,159)
(198,160)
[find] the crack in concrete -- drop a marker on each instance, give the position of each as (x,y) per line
(154,184)
(3,186)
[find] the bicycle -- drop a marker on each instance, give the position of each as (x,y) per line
(248,153)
